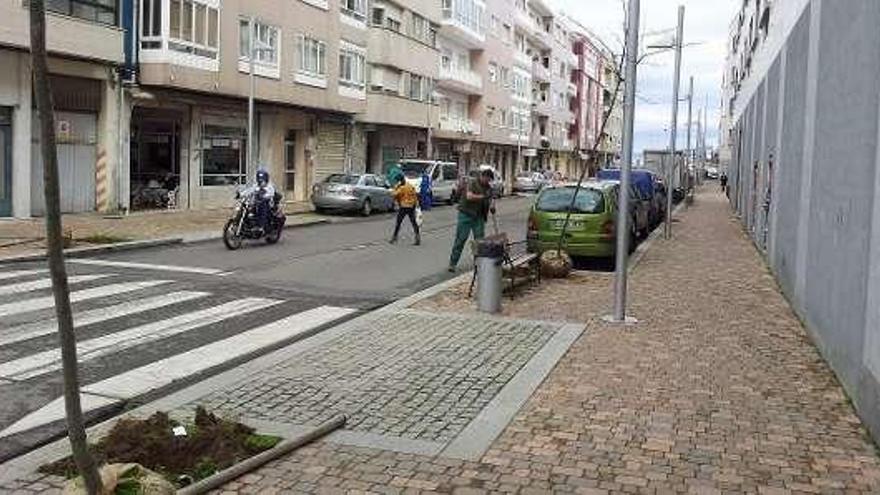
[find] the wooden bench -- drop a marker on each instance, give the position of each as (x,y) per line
(519,267)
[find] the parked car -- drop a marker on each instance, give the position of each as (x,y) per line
(592,227)
(444,177)
(644,185)
(365,193)
(498,186)
(712,173)
(528,182)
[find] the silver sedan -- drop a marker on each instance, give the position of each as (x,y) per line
(364,193)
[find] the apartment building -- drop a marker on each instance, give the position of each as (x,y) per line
(802,113)
(190,114)
(85,46)
(403,60)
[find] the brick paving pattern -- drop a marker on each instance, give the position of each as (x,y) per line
(415,376)
(718,390)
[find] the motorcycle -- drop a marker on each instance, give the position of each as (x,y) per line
(244,223)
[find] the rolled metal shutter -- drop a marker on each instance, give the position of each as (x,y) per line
(331,150)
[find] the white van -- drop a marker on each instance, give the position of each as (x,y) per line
(444,177)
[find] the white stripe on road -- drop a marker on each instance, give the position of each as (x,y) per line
(46,283)
(39,303)
(140,381)
(22,273)
(50,326)
(49,361)
(147,266)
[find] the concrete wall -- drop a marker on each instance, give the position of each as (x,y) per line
(814,115)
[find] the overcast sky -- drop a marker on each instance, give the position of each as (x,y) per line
(706,26)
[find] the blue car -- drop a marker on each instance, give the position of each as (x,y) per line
(651,204)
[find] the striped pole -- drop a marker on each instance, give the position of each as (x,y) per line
(102,194)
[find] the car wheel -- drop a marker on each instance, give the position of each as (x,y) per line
(367,208)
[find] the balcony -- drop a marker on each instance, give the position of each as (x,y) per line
(389,47)
(540,73)
(524,21)
(392,109)
(461,25)
(451,126)
(541,38)
(461,80)
(542,107)
(522,59)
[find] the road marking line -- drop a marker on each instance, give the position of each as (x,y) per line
(46,283)
(22,273)
(49,361)
(146,266)
(38,303)
(50,326)
(139,381)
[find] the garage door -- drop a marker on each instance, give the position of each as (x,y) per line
(77,154)
(331,150)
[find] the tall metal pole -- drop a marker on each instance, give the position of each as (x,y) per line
(670,169)
(690,151)
(251,146)
(629,107)
(429,147)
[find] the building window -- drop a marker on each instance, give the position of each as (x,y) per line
(100,11)
(493,72)
(378,18)
(266,47)
(312,57)
(223,155)
(356,9)
(415,87)
(352,72)
(421,30)
(194,27)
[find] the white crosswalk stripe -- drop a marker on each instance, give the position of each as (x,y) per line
(139,381)
(147,266)
(49,361)
(21,273)
(39,303)
(46,283)
(49,326)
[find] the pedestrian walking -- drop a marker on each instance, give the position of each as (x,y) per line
(473,211)
(723,180)
(407,201)
(426,192)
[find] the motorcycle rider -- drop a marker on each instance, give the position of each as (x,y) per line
(264,192)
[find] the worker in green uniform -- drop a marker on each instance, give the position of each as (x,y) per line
(473,210)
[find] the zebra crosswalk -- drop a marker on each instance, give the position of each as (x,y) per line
(135,335)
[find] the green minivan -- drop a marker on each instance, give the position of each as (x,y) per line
(591,228)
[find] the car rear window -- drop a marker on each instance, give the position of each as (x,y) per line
(559,199)
(343,179)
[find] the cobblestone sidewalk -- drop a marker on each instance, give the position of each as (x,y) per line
(717,390)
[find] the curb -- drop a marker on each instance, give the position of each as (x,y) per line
(142,244)
(640,252)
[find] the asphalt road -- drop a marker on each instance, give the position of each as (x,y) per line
(178,314)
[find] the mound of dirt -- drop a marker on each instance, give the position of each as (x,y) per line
(210,444)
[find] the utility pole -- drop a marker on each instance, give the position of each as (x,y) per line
(690,151)
(251,165)
(629,107)
(674,125)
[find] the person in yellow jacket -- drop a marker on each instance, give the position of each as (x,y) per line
(407,199)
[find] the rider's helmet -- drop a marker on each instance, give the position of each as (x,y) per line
(262,178)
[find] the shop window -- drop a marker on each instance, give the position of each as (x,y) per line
(224,151)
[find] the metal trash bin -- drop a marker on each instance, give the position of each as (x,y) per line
(490,257)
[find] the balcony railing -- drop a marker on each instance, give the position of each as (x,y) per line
(522,58)
(462,76)
(540,72)
(464,126)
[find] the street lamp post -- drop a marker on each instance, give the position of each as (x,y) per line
(253,49)
(673,128)
(629,105)
(689,159)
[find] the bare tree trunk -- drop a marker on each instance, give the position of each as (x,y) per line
(55,250)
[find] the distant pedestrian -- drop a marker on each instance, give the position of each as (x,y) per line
(723,180)
(426,192)
(473,211)
(407,201)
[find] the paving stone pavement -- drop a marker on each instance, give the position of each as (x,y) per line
(717,390)
(409,375)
